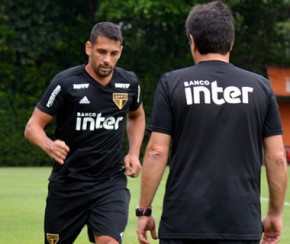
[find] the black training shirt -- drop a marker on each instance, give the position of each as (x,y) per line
(91,119)
(217,115)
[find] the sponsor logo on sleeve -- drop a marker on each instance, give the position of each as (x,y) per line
(53,96)
(139,94)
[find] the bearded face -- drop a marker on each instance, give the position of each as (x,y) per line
(103,57)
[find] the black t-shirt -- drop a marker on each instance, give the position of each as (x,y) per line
(91,119)
(217,115)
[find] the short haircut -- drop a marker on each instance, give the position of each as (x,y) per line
(106,29)
(212,27)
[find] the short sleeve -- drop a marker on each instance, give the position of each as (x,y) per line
(272,125)
(161,117)
(137,99)
(53,98)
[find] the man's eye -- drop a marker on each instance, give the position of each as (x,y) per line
(114,54)
(103,52)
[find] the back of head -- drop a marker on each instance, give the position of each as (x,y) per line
(212,27)
(106,29)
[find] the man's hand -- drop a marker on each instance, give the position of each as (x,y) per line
(132,165)
(58,150)
(272,229)
(146,224)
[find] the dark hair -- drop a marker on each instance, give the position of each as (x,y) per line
(106,29)
(212,27)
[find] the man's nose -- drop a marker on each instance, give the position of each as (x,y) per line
(107,58)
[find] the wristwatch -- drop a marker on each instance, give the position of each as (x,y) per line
(143,211)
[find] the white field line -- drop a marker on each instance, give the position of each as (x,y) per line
(267,200)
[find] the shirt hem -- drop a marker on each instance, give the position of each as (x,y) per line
(210,236)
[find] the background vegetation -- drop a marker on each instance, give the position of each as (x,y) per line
(40,38)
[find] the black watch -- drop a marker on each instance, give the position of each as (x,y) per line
(143,211)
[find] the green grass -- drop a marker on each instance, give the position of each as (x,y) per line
(22,201)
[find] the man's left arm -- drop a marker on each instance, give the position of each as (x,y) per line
(135,132)
(276,171)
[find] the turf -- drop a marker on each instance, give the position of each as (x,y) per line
(22,201)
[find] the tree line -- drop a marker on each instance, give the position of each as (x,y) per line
(40,38)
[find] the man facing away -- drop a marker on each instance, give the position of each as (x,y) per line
(93,104)
(224,123)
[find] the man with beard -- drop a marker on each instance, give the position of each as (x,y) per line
(93,104)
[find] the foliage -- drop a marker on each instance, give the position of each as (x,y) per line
(260,39)
(40,38)
(154,38)
(35,44)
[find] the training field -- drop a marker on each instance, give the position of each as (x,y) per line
(22,201)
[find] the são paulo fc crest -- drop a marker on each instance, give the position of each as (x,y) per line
(52,238)
(120,99)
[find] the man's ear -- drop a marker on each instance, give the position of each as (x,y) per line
(192,42)
(88,48)
(232,46)
(121,50)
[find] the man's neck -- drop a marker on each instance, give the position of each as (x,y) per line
(211,56)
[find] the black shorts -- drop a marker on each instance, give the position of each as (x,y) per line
(192,241)
(103,207)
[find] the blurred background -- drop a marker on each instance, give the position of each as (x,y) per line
(40,38)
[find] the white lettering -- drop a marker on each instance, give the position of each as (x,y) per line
(81,86)
(215,90)
(99,121)
(86,114)
(109,123)
(245,92)
(118,120)
(53,96)
(231,94)
(122,85)
(78,124)
(139,94)
(217,95)
(92,121)
(88,121)
(196,94)
(197,83)
(188,95)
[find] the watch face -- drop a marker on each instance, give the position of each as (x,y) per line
(147,212)
(143,211)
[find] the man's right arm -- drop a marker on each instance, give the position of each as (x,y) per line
(35,133)
(154,164)
(276,171)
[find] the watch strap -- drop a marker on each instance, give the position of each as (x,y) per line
(143,211)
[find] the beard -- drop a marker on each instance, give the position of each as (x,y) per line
(103,70)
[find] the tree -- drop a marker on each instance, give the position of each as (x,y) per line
(40,38)
(154,38)
(260,37)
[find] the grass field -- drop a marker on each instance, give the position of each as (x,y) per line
(22,201)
